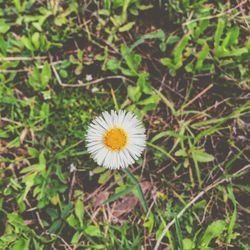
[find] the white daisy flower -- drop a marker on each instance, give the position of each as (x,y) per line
(116,139)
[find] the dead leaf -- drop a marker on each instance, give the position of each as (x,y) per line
(100,198)
(146,186)
(124,206)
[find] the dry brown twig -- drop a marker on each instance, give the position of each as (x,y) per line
(81,84)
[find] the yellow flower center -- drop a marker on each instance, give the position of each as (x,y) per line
(115,139)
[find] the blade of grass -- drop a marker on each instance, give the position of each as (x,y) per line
(168,103)
(178,232)
(162,150)
(118,195)
(138,190)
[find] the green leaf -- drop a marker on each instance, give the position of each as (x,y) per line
(4,27)
(218,33)
(120,194)
(143,83)
(132,60)
(79,210)
(126,27)
(18,5)
(45,75)
(72,221)
(55,226)
(188,244)
(213,231)
(158,34)
(137,191)
(36,40)
(178,50)
(201,156)
(3,134)
(159,136)
(27,43)
(181,153)
(231,37)
(66,210)
(33,168)
(153,99)
(104,177)
(21,244)
(76,237)
(231,225)
(93,231)
(202,55)
(113,64)
(33,152)
(178,233)
(134,93)
(149,223)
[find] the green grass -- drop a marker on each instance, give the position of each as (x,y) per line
(180,66)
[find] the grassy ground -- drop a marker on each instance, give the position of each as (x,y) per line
(182,67)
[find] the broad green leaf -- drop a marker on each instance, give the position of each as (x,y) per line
(132,60)
(36,40)
(158,34)
(201,28)
(45,75)
(27,43)
(231,37)
(127,27)
(188,244)
(214,230)
(218,33)
(181,153)
(21,244)
(72,221)
(202,156)
(66,210)
(55,226)
(104,177)
(4,27)
(3,134)
(178,50)
(202,55)
(113,64)
(93,231)
(79,210)
(18,5)
(149,223)
(76,237)
(154,99)
(143,83)
(33,168)
(134,93)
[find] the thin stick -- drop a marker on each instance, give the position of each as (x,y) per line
(197,197)
(88,83)
(198,96)
(215,16)
(20,58)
